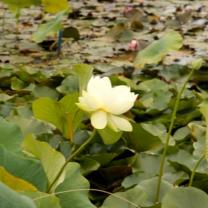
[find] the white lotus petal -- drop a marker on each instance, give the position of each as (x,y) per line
(99,119)
(99,87)
(88,102)
(120,100)
(119,123)
(84,107)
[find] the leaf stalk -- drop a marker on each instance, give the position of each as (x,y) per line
(194,171)
(72,156)
(172,121)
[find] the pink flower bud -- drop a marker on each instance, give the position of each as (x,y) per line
(127,10)
(134,45)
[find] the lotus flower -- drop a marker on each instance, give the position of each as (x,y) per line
(134,45)
(106,104)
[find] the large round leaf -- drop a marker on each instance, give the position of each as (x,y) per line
(54,6)
(142,138)
(65,114)
(129,199)
(149,186)
(73,192)
(51,160)
(49,28)
(15,5)
(23,167)
(185,198)
(11,199)
(15,183)
(44,200)
(10,136)
(156,51)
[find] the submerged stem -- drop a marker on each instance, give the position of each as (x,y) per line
(60,40)
(173,117)
(74,154)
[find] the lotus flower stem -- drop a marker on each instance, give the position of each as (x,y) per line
(173,117)
(194,171)
(72,156)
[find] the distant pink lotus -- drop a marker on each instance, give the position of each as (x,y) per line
(133,45)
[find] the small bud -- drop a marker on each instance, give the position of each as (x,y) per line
(127,10)
(188,9)
(141,1)
(134,45)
